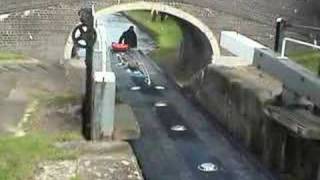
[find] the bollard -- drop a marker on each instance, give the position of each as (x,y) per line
(280,25)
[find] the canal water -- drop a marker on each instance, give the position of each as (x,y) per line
(162,152)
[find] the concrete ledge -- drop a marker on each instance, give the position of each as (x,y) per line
(75,71)
(231,61)
(103,160)
(242,99)
(294,77)
(301,122)
(20,61)
(239,45)
(126,125)
(104,89)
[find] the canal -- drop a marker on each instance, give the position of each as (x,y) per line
(178,141)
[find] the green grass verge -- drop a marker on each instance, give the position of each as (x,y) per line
(77,177)
(19,155)
(167,34)
(308,59)
(4,56)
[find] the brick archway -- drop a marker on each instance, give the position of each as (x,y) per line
(169,10)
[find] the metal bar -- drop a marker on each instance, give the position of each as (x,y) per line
(295,41)
(279,34)
(312,28)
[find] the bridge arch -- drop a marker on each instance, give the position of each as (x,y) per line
(168,10)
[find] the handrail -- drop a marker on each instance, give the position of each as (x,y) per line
(295,41)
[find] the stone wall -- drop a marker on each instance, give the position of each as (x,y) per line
(195,51)
(240,99)
(236,96)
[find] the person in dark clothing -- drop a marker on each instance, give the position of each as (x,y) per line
(129,37)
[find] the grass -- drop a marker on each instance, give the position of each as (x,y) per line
(308,59)
(77,177)
(19,155)
(4,56)
(167,34)
(60,100)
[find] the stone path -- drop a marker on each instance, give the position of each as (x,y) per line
(106,160)
(20,82)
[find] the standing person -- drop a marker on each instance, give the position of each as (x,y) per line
(129,37)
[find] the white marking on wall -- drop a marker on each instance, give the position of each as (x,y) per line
(4,16)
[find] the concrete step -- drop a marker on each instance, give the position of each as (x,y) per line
(98,160)
(126,126)
(31,65)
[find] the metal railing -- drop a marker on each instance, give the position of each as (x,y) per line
(286,39)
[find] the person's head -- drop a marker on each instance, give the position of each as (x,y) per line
(131,28)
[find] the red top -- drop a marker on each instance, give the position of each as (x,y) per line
(119,47)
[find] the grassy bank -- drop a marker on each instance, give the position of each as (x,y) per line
(167,34)
(4,56)
(19,155)
(308,59)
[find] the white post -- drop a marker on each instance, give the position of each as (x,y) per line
(103,88)
(283,49)
(104,105)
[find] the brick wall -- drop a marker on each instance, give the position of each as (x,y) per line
(40,27)
(38,32)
